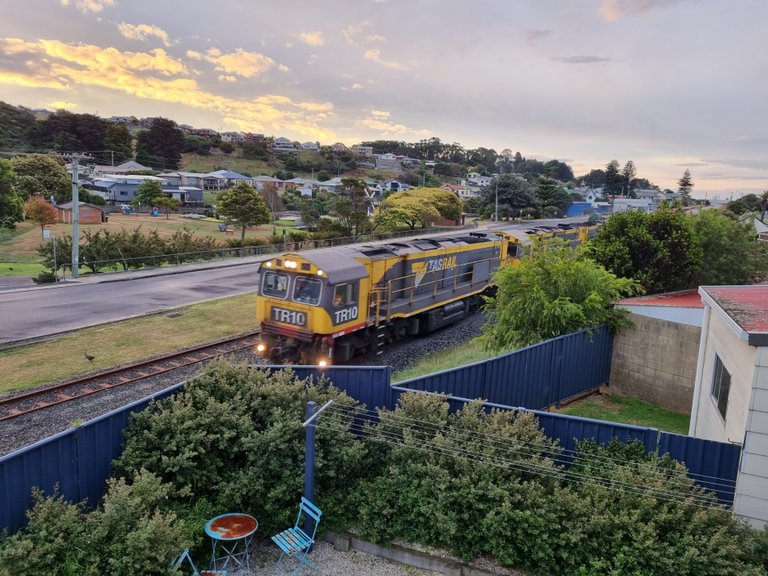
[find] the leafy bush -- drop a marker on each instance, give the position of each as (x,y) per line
(234,437)
(474,482)
(129,534)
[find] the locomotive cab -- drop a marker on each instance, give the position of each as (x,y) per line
(306,303)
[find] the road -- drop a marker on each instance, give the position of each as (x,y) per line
(42,312)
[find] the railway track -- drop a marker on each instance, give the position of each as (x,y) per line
(103,381)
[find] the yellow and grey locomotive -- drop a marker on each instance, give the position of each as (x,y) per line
(327,305)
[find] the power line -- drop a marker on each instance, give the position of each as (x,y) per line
(700,500)
(644,471)
(538,447)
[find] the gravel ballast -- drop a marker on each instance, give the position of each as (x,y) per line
(20,432)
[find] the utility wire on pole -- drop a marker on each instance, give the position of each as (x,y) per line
(74,160)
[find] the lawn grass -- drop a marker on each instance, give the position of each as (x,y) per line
(127,341)
(20,268)
(610,407)
(445,359)
(21,245)
(616,408)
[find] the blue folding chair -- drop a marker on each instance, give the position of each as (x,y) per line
(195,572)
(295,542)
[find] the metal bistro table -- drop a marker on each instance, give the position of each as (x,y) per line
(231,534)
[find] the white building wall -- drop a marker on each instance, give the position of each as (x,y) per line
(751,500)
(738,358)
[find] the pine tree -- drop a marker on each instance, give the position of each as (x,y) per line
(684,187)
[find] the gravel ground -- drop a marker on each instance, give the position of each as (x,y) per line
(329,561)
(23,431)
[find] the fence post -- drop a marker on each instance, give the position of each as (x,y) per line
(309,454)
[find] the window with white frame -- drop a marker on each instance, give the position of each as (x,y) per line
(721,386)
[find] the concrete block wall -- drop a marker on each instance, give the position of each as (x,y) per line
(656,361)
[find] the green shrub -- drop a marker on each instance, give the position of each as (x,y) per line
(52,542)
(234,437)
(129,534)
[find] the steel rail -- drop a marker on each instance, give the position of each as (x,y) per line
(143,369)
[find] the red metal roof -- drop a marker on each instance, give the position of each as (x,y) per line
(747,305)
(682,299)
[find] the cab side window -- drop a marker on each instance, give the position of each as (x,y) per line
(344,295)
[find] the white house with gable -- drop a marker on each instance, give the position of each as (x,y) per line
(730,397)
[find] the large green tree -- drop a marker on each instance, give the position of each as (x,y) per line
(554,291)
(731,253)
(11,204)
(658,249)
(550,193)
(628,174)
(403,209)
(613,179)
(17,126)
(351,206)
(118,144)
(685,186)
(445,201)
(149,192)
(161,146)
(763,205)
(514,192)
(244,206)
(71,132)
(42,175)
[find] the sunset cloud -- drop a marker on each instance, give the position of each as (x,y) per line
(54,64)
(89,5)
(378,123)
(109,60)
(357,34)
(375,55)
(612,10)
(239,62)
(143,31)
(312,38)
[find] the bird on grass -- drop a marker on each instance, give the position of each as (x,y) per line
(89,357)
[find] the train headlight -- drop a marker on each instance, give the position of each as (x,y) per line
(322,363)
(268,264)
(320,272)
(261,347)
(291,264)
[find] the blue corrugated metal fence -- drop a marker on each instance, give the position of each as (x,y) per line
(80,460)
(534,377)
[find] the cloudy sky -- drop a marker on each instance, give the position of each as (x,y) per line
(668,84)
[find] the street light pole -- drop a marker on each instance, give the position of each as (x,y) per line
(75,163)
(496,211)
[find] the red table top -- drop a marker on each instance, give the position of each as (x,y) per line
(231,526)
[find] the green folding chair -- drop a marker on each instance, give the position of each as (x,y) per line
(295,542)
(195,572)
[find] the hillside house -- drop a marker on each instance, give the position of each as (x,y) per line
(125,168)
(233,137)
(477,180)
(361,150)
(632,204)
(283,146)
(463,192)
(730,399)
(311,146)
(121,188)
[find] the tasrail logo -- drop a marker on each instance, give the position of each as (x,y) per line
(420,269)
